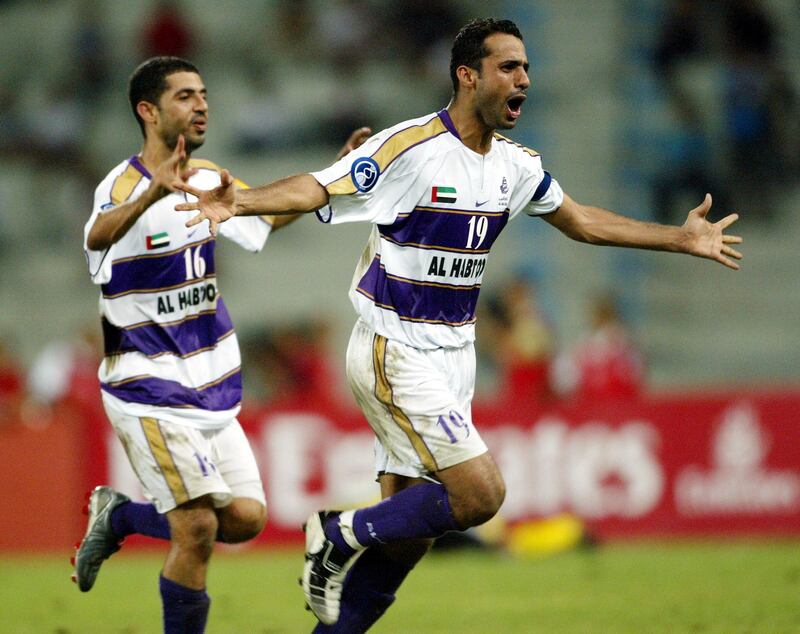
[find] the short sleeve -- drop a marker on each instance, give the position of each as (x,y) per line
(99,262)
(547,197)
(249,232)
(379,180)
(536,191)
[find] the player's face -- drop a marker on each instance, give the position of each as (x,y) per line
(502,81)
(183,110)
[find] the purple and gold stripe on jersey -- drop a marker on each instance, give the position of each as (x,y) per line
(527,150)
(391,149)
(446,229)
(222,394)
(159,271)
(417,301)
(125,183)
(189,336)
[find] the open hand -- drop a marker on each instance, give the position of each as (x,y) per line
(169,170)
(709,240)
(215,205)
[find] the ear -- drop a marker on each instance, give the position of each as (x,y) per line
(147,111)
(467,76)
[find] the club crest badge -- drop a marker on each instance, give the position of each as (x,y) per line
(364,173)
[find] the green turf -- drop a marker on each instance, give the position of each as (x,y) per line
(639,588)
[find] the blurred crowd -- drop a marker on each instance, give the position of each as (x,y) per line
(738,136)
(294,364)
(45,116)
(530,365)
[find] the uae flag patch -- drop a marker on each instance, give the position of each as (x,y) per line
(158,240)
(443,195)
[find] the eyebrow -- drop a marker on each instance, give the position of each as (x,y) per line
(202,91)
(516,62)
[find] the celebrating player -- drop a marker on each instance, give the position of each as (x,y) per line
(438,191)
(170,379)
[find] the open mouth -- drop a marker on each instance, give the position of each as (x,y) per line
(199,125)
(514,106)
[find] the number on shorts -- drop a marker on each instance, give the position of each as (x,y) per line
(456,421)
(206,466)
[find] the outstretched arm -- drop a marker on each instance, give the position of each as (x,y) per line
(697,236)
(355,140)
(295,194)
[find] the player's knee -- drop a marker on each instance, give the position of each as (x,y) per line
(242,521)
(197,533)
(479,504)
(486,507)
(247,528)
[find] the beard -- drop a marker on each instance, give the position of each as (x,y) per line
(491,112)
(191,143)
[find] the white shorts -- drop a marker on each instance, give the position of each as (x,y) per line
(177,463)
(418,402)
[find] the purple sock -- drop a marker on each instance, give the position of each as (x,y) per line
(369,590)
(420,511)
(185,610)
(142,519)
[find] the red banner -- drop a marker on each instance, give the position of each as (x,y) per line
(705,465)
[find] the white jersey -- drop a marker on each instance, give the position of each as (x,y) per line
(170,348)
(437,208)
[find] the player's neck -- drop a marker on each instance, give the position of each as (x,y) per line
(154,154)
(473,132)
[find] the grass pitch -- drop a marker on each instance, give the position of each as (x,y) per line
(708,587)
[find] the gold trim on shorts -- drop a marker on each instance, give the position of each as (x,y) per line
(163,457)
(383,391)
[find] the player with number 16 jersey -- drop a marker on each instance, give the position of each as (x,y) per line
(170,347)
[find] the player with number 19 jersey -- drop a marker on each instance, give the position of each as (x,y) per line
(170,348)
(437,207)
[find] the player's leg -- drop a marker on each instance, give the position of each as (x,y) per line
(372,583)
(245,516)
(176,465)
(221,455)
(240,521)
(469,494)
(335,541)
(418,404)
(112,516)
(233,510)
(182,583)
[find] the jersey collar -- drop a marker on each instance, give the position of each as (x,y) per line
(448,123)
(137,164)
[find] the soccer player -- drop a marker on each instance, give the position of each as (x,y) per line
(438,190)
(170,379)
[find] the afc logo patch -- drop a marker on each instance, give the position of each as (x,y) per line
(364,173)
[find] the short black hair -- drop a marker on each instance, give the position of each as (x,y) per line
(469,48)
(149,81)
